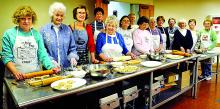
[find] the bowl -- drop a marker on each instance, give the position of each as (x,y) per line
(98,70)
(100,73)
(155,57)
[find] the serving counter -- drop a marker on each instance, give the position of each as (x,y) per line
(24,95)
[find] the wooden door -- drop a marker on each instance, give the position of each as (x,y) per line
(146,10)
(104,6)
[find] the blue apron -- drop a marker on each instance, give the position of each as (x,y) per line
(81,39)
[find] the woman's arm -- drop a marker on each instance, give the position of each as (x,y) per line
(42,53)
(11,67)
(91,44)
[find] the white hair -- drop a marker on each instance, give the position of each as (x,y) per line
(56,6)
(111,19)
(182,21)
(152,19)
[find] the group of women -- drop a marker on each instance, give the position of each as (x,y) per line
(58,45)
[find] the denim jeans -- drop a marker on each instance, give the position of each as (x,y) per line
(206,69)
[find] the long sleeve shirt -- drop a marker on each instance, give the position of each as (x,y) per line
(8,42)
(64,42)
(101,40)
(182,41)
(142,42)
(90,44)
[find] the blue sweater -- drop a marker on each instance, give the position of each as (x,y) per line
(101,40)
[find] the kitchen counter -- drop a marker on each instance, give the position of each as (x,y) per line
(24,95)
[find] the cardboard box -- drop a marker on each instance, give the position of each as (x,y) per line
(185,80)
(172,77)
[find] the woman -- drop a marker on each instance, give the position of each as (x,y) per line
(194,32)
(98,25)
(83,36)
(156,36)
(142,38)
(207,40)
(166,41)
(22,48)
(170,31)
(132,18)
(58,38)
(182,38)
(125,30)
(111,44)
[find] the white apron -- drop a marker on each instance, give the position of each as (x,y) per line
(96,32)
(195,38)
(164,37)
(206,39)
(128,43)
(156,40)
(127,35)
(112,50)
(25,54)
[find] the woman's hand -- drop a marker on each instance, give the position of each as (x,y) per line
(108,59)
(182,49)
(73,62)
(56,69)
(95,61)
(133,56)
(19,75)
(188,51)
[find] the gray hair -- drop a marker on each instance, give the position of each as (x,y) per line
(152,19)
(56,6)
(111,19)
(182,21)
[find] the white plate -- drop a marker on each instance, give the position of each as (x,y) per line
(122,58)
(170,56)
(210,52)
(168,51)
(151,63)
(68,84)
(143,56)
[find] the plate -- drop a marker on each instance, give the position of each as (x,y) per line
(170,56)
(151,63)
(122,58)
(68,84)
(126,69)
(143,56)
(211,52)
(168,51)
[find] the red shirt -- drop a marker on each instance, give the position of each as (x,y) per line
(90,44)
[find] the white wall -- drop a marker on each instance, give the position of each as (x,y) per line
(197,9)
(122,8)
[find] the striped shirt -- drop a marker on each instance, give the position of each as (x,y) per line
(99,26)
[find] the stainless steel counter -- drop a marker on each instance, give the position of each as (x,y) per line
(27,95)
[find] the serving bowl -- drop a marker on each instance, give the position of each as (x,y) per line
(98,70)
